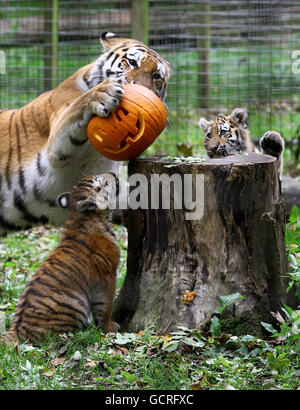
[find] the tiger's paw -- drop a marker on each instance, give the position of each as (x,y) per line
(107,97)
(272,143)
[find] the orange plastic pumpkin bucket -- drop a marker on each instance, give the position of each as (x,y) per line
(132,127)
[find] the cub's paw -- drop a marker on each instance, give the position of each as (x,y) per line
(272,143)
(107,97)
(9,338)
(113,327)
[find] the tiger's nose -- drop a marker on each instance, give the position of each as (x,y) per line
(221,150)
(214,146)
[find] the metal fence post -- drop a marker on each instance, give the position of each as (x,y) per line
(140,20)
(203,35)
(51,44)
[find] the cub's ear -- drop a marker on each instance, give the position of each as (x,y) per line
(85,205)
(240,116)
(63,200)
(204,124)
(109,40)
(113,180)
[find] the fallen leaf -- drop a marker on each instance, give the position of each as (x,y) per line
(90,363)
(57,361)
(63,349)
(47,372)
(77,356)
(123,350)
(165,339)
(229,387)
(111,352)
(196,386)
(141,383)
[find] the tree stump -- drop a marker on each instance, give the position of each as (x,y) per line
(236,246)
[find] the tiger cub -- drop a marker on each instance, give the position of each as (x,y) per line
(226,135)
(79,276)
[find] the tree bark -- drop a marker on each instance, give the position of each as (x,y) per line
(291,193)
(237,246)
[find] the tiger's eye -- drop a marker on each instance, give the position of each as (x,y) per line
(132,62)
(156,76)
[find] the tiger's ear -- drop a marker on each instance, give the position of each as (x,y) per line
(63,200)
(109,40)
(240,116)
(204,124)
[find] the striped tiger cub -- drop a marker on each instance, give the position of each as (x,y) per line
(79,276)
(229,134)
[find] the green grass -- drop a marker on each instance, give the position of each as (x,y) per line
(88,360)
(212,359)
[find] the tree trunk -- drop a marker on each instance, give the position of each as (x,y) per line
(236,246)
(291,193)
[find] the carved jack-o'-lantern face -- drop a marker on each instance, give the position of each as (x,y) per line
(132,127)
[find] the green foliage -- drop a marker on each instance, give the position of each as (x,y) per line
(289,328)
(90,360)
(227,300)
(289,333)
(292,239)
(215,326)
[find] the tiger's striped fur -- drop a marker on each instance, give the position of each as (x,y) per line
(44,148)
(227,135)
(79,276)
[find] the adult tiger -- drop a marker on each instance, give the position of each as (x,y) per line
(44,147)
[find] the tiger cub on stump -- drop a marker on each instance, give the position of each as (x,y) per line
(227,135)
(79,276)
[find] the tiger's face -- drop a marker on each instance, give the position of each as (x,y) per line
(131,61)
(91,193)
(226,135)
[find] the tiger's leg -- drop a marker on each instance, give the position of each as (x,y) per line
(68,131)
(102,308)
(272,143)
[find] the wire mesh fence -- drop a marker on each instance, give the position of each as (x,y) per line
(224,54)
